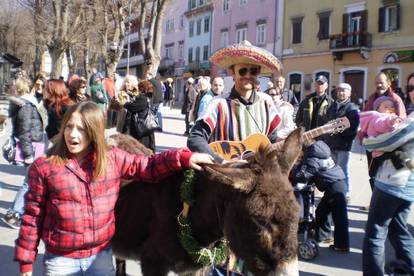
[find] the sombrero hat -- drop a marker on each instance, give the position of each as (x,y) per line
(245,52)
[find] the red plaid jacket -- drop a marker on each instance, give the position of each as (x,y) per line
(73,214)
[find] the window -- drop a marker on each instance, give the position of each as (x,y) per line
(297,30)
(181,49)
(205,52)
(389,18)
(200,2)
(199,26)
(192,4)
(242,3)
(224,39)
(225,5)
(169,51)
(197,56)
(190,55)
(241,34)
(170,25)
(295,84)
(191,28)
(261,34)
(324,25)
(181,21)
(207,24)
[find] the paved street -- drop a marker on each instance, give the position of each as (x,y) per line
(327,263)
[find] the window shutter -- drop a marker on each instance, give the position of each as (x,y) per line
(364,21)
(345,22)
(398,16)
(381,20)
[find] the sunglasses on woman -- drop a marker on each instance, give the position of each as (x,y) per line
(410,88)
(254,71)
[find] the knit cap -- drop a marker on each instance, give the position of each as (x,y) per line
(381,99)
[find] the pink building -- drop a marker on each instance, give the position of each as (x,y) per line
(173,42)
(258,21)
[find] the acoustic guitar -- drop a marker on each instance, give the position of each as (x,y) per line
(230,150)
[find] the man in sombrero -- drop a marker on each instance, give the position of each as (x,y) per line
(242,111)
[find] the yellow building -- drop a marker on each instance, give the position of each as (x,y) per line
(347,41)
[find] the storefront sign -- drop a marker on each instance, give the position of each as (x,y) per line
(399,56)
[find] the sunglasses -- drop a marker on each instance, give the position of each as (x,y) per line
(83,87)
(254,71)
(410,88)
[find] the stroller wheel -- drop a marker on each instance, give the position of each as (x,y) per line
(308,250)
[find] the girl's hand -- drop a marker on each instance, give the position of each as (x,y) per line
(197,159)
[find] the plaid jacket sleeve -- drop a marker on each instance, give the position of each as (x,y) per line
(152,168)
(32,220)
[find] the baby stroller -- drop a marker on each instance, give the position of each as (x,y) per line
(308,248)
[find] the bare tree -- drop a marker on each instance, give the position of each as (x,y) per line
(151,46)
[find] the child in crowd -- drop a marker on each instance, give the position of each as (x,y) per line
(317,166)
(382,119)
(73,190)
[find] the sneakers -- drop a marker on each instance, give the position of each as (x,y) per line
(339,249)
(12,219)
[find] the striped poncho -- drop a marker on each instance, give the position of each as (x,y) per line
(229,119)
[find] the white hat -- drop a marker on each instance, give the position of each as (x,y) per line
(345,85)
(190,80)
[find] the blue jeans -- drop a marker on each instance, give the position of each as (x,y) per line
(342,158)
(18,203)
(100,264)
(387,216)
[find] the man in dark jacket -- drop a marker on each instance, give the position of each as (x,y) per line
(312,110)
(318,167)
(341,143)
(156,98)
(190,96)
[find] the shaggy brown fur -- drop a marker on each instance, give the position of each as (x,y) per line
(250,203)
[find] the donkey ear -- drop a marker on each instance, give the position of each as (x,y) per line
(239,178)
(291,150)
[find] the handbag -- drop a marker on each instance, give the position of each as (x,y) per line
(147,125)
(9,149)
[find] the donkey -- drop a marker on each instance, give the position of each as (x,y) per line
(249,203)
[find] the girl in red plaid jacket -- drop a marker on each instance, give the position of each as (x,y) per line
(73,191)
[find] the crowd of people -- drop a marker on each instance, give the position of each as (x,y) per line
(68,118)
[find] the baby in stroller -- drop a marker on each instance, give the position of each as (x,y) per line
(318,167)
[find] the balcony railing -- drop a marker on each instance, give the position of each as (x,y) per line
(350,41)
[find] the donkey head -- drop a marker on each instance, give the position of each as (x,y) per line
(261,214)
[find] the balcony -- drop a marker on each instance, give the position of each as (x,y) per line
(350,42)
(200,9)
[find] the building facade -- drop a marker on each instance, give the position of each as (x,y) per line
(199,16)
(347,41)
(258,21)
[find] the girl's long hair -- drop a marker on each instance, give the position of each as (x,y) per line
(93,120)
(57,95)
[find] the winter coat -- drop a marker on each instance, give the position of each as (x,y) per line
(54,121)
(306,109)
(374,123)
(343,141)
(157,93)
(100,96)
(27,123)
(72,212)
(190,95)
(400,108)
(318,167)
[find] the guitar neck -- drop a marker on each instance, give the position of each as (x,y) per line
(308,135)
